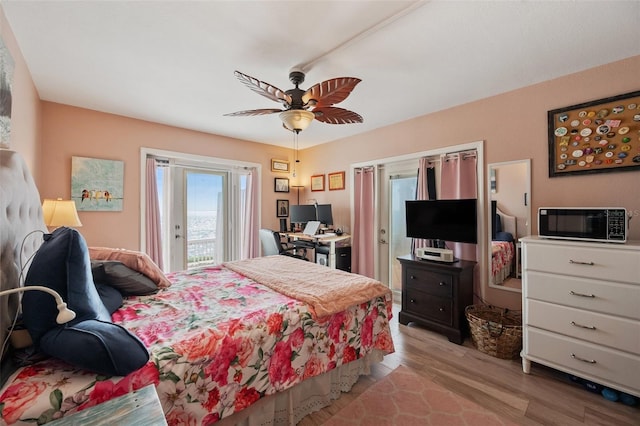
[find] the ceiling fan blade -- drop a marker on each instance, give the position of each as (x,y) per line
(250,112)
(335,115)
(330,92)
(265,89)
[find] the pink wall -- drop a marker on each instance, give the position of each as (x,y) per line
(70,131)
(25,113)
(513,126)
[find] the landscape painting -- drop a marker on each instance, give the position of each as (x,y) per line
(6,81)
(97,185)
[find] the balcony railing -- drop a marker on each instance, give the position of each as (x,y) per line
(201,252)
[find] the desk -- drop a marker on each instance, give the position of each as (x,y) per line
(320,239)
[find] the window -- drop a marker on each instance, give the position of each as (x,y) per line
(199,201)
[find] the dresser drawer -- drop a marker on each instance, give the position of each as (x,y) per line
(606,330)
(600,364)
(430,282)
(599,296)
(429,307)
(597,262)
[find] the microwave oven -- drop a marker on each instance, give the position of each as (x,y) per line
(603,224)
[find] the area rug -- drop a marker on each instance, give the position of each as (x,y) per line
(405,398)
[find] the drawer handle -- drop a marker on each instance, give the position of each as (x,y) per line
(588,327)
(413,277)
(412,300)
(590,361)
(573,293)
(442,283)
(577,262)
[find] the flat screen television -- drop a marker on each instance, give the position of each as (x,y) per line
(446,220)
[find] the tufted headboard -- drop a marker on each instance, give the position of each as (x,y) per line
(20,215)
(509,223)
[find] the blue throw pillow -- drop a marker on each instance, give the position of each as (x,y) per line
(110,296)
(116,274)
(503,236)
(62,263)
(97,346)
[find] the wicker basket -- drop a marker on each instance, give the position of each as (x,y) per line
(495,331)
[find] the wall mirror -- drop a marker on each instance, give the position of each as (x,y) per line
(509,189)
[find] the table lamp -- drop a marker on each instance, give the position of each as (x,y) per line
(60,212)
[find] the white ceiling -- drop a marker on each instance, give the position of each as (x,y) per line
(172,62)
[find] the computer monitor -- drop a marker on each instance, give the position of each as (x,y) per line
(324,214)
(302,213)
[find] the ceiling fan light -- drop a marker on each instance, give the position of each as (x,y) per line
(296,120)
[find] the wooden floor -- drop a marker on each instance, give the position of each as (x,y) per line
(544,397)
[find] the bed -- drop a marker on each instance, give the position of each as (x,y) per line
(502,245)
(245,342)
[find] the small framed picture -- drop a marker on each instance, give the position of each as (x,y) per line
(317,183)
(279,166)
(282,208)
(281,185)
(336,181)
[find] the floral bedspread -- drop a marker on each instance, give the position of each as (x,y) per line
(501,256)
(218,342)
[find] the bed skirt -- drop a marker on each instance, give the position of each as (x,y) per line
(502,275)
(292,405)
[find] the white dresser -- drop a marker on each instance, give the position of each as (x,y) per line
(581,310)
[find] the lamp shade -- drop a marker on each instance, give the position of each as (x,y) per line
(296,120)
(60,213)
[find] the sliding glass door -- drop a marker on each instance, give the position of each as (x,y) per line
(201,212)
(398,184)
(203,218)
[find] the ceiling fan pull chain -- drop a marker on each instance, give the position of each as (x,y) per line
(295,152)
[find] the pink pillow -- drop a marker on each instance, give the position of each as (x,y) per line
(135,260)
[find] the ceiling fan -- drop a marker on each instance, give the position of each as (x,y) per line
(302,106)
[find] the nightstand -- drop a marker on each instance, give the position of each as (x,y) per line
(435,294)
(140,408)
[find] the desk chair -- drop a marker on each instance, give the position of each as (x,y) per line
(272,244)
(302,245)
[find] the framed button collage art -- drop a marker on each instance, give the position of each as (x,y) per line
(596,136)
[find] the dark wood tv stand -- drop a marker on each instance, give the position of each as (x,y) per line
(435,294)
